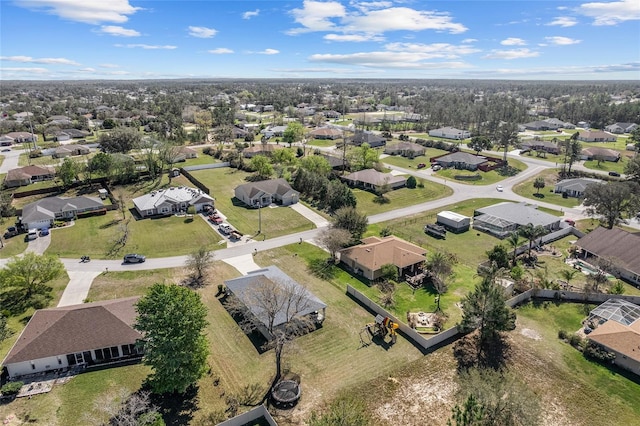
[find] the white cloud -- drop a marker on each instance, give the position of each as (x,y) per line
(611,13)
(29,59)
(316,15)
(563,21)
(513,41)
(118,31)
(87,70)
(202,32)
(512,54)
(146,46)
(469,40)
(109,66)
(91,12)
(27,70)
(250,14)
(220,51)
(398,60)
(562,8)
(353,37)
(435,50)
(563,70)
(363,6)
(402,19)
(562,41)
(269,52)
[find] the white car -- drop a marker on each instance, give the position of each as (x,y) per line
(499,188)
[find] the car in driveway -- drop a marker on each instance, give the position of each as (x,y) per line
(133,258)
(614,174)
(436,167)
(6,150)
(499,188)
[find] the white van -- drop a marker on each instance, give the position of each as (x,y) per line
(32,234)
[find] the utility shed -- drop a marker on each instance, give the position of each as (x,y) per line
(454,222)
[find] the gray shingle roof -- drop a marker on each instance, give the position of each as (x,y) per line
(271,186)
(462,157)
(48,207)
(519,213)
(616,243)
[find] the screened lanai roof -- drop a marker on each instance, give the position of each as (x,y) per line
(493,220)
(618,310)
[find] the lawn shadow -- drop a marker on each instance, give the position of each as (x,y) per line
(176,409)
(538,195)
(110,223)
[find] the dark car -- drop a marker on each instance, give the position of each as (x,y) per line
(12,231)
(615,174)
(134,258)
(422,166)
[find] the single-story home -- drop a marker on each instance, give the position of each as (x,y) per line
(541,146)
(336,163)
(450,133)
(171,200)
(560,123)
(20,137)
(542,125)
(62,137)
(501,219)
(265,192)
(27,175)
(274,131)
(42,213)
(373,179)
(76,133)
(71,150)
(620,128)
(574,187)
(325,133)
(248,288)
(617,245)
(362,136)
(260,149)
(239,133)
(75,336)
(184,153)
(367,259)
(594,153)
(406,149)
(460,160)
(618,332)
(596,136)
(6,140)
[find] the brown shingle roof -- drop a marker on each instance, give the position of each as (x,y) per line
(375,252)
(374,177)
(618,337)
(77,328)
(616,244)
(27,172)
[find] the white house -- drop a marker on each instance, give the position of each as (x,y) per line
(265,192)
(620,128)
(450,133)
(171,200)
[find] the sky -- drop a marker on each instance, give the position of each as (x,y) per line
(402,39)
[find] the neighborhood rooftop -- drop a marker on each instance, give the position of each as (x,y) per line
(519,213)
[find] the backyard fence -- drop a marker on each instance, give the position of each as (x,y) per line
(206,166)
(195,181)
(251,417)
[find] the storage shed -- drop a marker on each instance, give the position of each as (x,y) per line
(454,222)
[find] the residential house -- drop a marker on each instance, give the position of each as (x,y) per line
(596,136)
(71,150)
(450,133)
(76,134)
(620,128)
(372,179)
(239,133)
(405,149)
(501,219)
(171,200)
(542,125)
(460,160)
(274,131)
(260,149)
(617,245)
(6,140)
(27,175)
(21,137)
(184,153)
(62,338)
(266,192)
(363,136)
(560,124)
(325,133)
(42,213)
(247,287)
(62,137)
(540,146)
(617,330)
(574,187)
(595,153)
(331,114)
(336,163)
(367,259)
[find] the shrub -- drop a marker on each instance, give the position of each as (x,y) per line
(11,388)
(595,351)
(562,334)
(575,340)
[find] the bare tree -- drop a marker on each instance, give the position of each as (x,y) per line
(121,408)
(122,204)
(334,239)
(199,263)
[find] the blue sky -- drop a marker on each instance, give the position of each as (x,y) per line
(130,39)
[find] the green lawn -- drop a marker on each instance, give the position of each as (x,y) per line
(408,163)
(276,221)
(12,246)
(608,166)
(323,143)
(200,160)
(24,160)
(546,194)
(551,158)
(403,197)
(486,178)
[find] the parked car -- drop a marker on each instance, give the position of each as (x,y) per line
(225,228)
(615,174)
(436,167)
(6,150)
(570,222)
(422,166)
(499,188)
(44,232)
(134,258)
(32,234)
(12,231)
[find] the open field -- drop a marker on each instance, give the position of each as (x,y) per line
(403,197)
(546,194)
(276,221)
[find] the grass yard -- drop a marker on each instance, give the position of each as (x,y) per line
(323,143)
(24,160)
(486,178)
(608,166)
(276,221)
(95,236)
(551,158)
(400,161)
(116,285)
(198,161)
(403,197)
(546,194)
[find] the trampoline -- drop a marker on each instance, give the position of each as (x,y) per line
(286,393)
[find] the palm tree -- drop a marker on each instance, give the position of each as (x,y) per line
(531,232)
(568,274)
(514,241)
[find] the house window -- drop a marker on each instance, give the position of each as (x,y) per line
(114,352)
(149,212)
(99,354)
(125,350)
(33,366)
